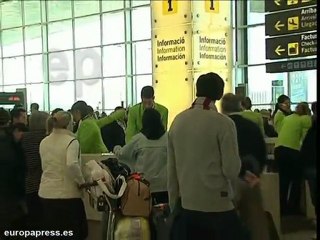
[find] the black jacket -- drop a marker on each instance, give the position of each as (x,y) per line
(251,144)
(12,167)
(112,135)
(309,148)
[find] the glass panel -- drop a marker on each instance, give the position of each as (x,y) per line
(33,41)
(82,8)
(87,31)
(113,28)
(141,23)
(1,78)
(34,69)
(60,36)
(13,70)
(11,14)
(114,92)
(61,66)
(89,91)
(256,45)
(312,85)
(32,12)
(303,86)
(255,12)
(142,57)
(140,82)
(58,10)
(260,86)
(88,63)
(61,95)
(109,5)
(114,60)
(12,42)
(35,95)
(139,2)
(12,88)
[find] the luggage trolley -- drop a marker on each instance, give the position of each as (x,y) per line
(102,189)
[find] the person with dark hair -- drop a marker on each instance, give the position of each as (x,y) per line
(97,114)
(91,112)
(135,113)
(103,114)
(62,179)
(252,150)
(19,115)
(18,130)
(30,143)
(147,151)
(88,131)
(269,130)
(250,115)
(54,111)
(113,134)
(203,164)
(34,107)
(287,156)
(281,111)
(12,177)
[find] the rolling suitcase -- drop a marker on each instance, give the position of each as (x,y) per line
(132,228)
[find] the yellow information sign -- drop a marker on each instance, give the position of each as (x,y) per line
(212,6)
(169,7)
(293,23)
(292,2)
(293,49)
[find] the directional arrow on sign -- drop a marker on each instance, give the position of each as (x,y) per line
(277,2)
(279,25)
(279,50)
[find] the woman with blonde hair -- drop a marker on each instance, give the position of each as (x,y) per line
(61,179)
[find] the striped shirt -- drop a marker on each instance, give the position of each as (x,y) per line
(31,142)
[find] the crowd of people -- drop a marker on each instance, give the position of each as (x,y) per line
(207,166)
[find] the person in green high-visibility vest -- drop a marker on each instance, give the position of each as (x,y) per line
(88,132)
(134,124)
(255,117)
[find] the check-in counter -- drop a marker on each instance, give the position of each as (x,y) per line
(306,203)
(93,214)
(270,144)
(270,197)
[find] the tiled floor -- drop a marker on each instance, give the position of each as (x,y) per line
(297,228)
(294,228)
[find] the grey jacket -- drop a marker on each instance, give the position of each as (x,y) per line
(148,157)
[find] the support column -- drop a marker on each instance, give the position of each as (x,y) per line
(189,38)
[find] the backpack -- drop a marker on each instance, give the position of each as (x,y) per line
(116,168)
(136,200)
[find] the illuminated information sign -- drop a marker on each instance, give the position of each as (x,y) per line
(297,27)
(9,98)
(294,21)
(279,5)
(300,45)
(292,65)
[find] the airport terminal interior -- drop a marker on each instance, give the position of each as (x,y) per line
(104,52)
